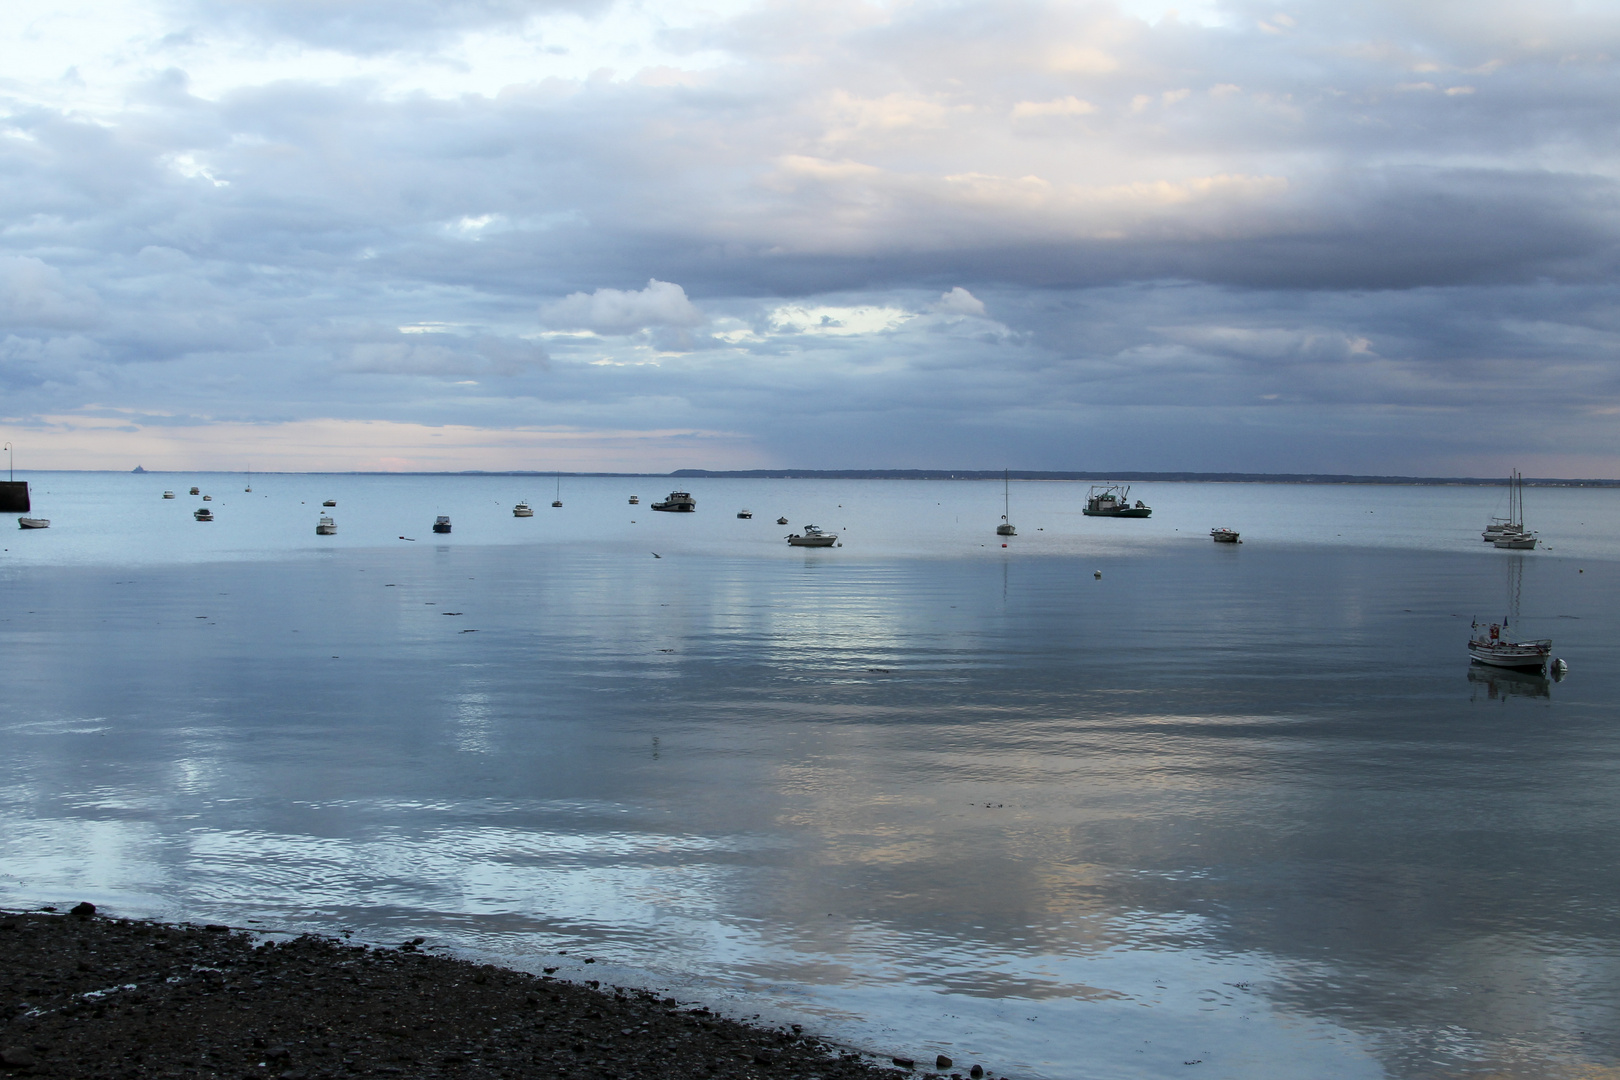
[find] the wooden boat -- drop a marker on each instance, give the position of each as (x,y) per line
(1491,645)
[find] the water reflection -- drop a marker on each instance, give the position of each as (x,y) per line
(1498,684)
(1231,810)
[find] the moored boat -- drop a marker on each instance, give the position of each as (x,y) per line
(168,494)
(745,514)
(33,523)
(1224,536)
(441,524)
(1509,533)
(202,513)
(781,521)
(208,498)
(1114,500)
(1006,526)
(326,527)
(329,502)
(812,536)
(1491,645)
(196,490)
(523,509)
(679,502)
(635,500)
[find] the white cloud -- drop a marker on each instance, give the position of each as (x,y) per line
(616,311)
(960,302)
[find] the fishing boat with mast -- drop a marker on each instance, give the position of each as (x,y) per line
(1492,643)
(1006,526)
(1114,500)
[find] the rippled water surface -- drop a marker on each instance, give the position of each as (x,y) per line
(1248,807)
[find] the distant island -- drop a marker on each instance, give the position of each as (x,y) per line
(1121,477)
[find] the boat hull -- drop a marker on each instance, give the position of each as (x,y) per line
(1122,512)
(1514,654)
(1006,530)
(1224,536)
(1516,543)
(812,541)
(523,513)
(33,523)
(326,530)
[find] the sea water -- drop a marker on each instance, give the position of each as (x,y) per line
(1248,806)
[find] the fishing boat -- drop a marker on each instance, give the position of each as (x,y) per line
(1513,536)
(1114,500)
(679,502)
(329,502)
(812,536)
(1006,526)
(326,527)
(635,500)
(1224,536)
(523,509)
(202,513)
(168,494)
(781,521)
(441,524)
(196,491)
(33,523)
(1490,644)
(745,514)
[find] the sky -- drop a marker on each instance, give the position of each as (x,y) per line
(600,235)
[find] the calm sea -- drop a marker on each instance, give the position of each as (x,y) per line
(1246,806)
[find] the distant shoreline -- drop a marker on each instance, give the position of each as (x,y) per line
(934,474)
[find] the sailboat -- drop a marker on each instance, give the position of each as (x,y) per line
(1513,535)
(1006,527)
(558,500)
(1492,643)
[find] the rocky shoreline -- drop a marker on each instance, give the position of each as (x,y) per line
(83,995)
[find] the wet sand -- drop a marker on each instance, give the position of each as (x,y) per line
(82,995)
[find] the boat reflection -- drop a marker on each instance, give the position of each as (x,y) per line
(1502,683)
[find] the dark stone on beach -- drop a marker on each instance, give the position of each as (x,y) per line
(83,909)
(217,928)
(976,1072)
(904,1063)
(17,1057)
(942,1062)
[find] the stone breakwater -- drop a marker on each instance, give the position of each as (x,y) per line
(84,996)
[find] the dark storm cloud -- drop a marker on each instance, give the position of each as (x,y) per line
(930,230)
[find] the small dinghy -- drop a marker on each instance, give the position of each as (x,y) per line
(33,523)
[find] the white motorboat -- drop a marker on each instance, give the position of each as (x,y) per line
(635,500)
(1224,536)
(441,524)
(168,494)
(329,502)
(812,536)
(679,502)
(1006,526)
(202,513)
(33,523)
(1491,645)
(326,527)
(208,498)
(523,509)
(745,514)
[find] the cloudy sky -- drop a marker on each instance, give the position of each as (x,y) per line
(607,235)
